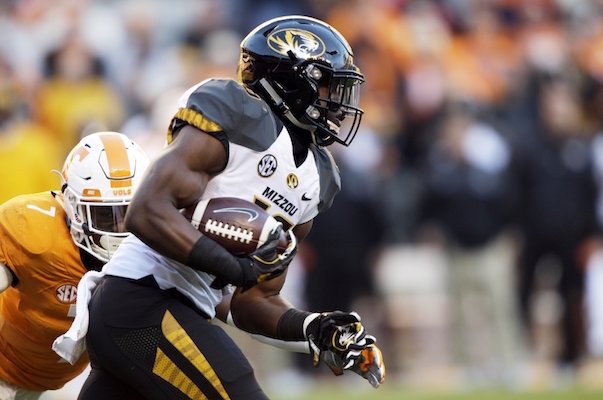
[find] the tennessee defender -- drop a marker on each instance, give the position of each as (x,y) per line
(48,241)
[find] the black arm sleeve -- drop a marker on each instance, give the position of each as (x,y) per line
(290,326)
(208,256)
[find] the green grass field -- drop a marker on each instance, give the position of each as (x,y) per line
(386,393)
(353,389)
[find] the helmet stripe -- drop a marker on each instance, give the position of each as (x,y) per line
(117,160)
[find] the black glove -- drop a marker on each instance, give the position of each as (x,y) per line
(265,263)
(340,341)
(337,332)
(368,365)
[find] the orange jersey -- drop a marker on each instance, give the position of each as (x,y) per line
(36,245)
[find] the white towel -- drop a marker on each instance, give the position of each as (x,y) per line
(72,344)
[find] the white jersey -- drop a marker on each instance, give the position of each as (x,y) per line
(260,168)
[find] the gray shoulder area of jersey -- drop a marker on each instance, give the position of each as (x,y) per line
(330,180)
(245,118)
(248,121)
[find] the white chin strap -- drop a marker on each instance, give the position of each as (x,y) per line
(282,107)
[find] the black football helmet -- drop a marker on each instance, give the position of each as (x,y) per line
(305,69)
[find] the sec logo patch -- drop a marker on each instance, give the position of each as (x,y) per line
(67,294)
(267,165)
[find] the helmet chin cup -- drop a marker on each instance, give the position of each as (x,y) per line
(110,243)
(106,245)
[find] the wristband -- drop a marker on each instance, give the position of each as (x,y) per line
(293,323)
(294,346)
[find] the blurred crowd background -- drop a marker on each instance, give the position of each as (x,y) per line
(467,232)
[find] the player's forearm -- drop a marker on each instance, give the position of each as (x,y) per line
(273,317)
(299,346)
(154,216)
(258,310)
(163,229)
(260,317)
(155,219)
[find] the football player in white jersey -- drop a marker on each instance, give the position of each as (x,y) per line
(261,138)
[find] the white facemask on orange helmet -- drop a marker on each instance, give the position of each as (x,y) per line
(100,176)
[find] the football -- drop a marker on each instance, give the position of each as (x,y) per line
(238,225)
